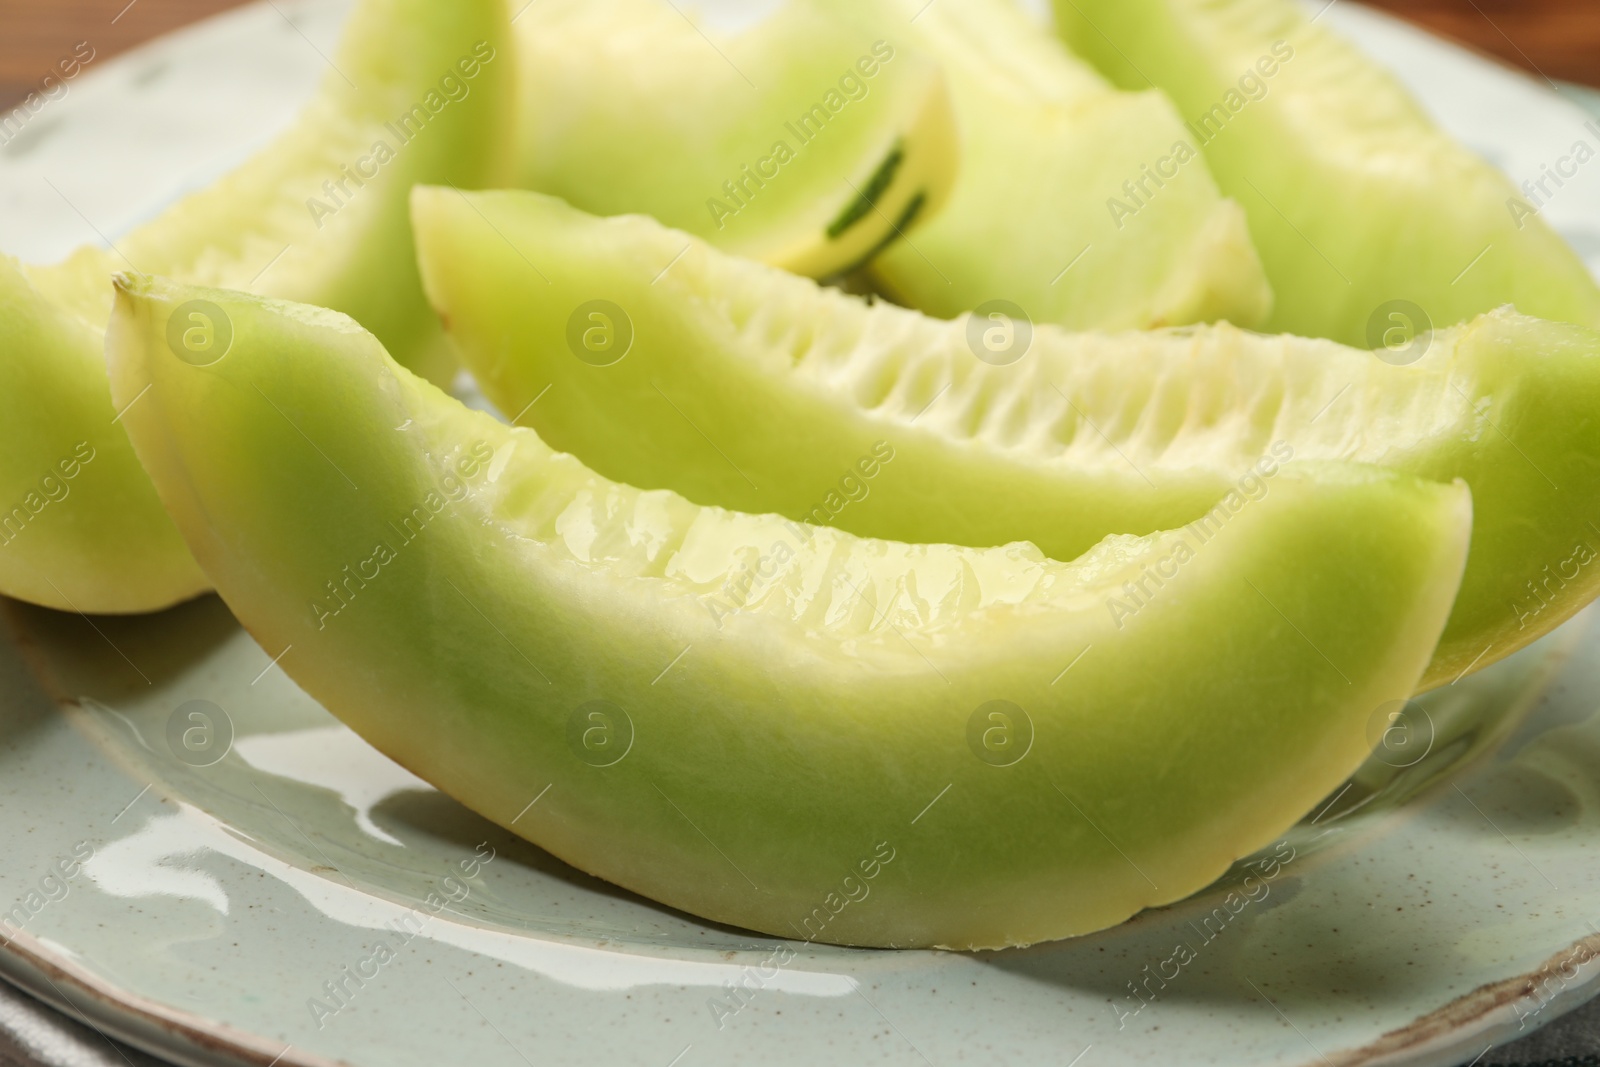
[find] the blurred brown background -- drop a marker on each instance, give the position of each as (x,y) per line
(35,34)
(1560,38)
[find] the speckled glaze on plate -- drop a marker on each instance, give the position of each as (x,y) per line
(199,859)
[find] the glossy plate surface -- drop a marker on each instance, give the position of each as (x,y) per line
(203,861)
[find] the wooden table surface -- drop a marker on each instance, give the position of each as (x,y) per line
(1558,38)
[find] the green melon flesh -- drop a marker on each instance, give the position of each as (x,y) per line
(271,226)
(752,389)
(788,708)
(630,106)
(1355,197)
(1046,142)
(80,523)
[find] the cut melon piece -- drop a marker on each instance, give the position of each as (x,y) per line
(751,719)
(1356,199)
(80,524)
(321,216)
(756,390)
(805,140)
(421,92)
(1048,147)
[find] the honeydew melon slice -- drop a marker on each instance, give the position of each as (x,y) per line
(419,92)
(80,522)
(805,140)
(748,388)
(1047,147)
(1356,199)
(752,719)
(273,226)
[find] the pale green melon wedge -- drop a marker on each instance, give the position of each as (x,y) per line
(1047,145)
(80,524)
(752,389)
(1356,199)
(755,720)
(320,215)
(422,92)
(808,140)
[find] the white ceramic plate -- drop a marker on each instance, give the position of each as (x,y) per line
(231,913)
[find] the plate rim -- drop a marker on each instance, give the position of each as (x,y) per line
(185,1038)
